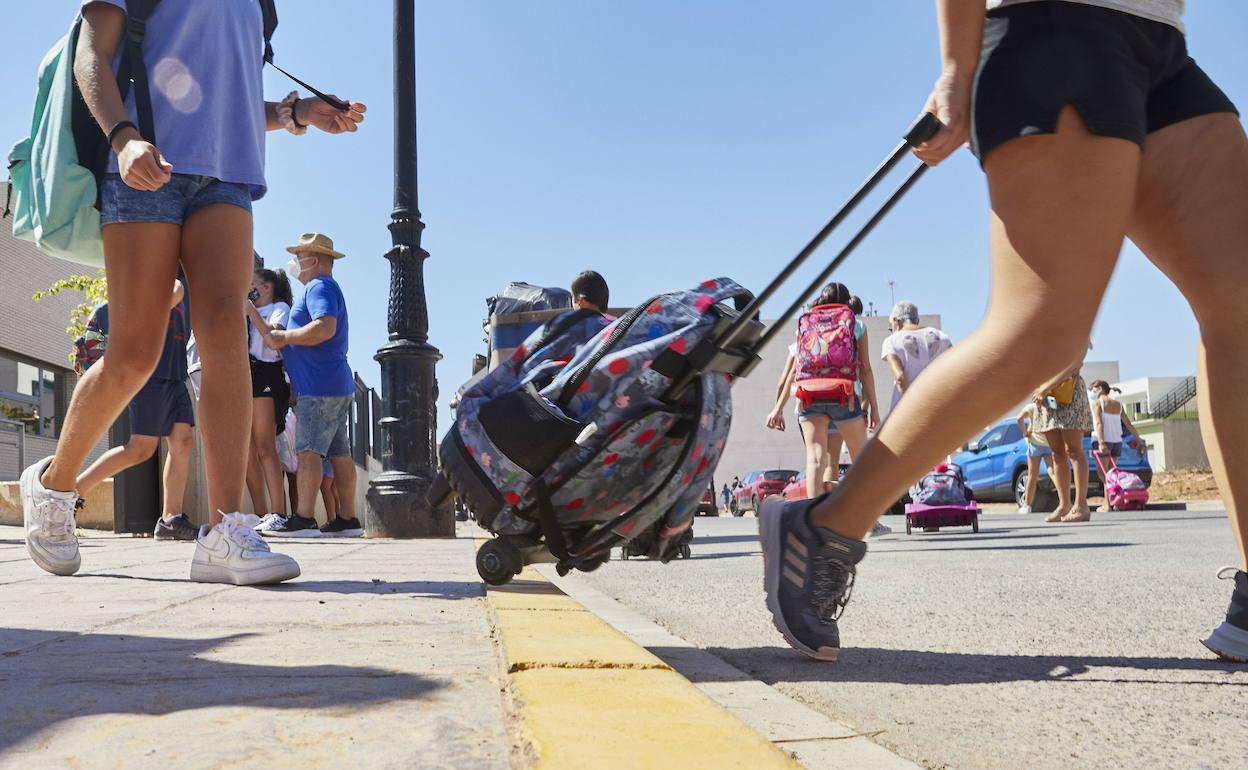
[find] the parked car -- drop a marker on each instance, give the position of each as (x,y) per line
(757,485)
(707,505)
(796,489)
(995,464)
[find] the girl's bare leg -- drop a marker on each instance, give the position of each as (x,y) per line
(177,468)
(264,445)
(216,255)
(1061,204)
(140,264)
(815,433)
(1191,219)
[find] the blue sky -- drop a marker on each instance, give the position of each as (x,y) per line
(657,142)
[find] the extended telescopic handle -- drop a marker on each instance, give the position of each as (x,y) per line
(923,129)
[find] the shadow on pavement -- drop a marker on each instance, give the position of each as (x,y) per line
(49,677)
(426,589)
(878,665)
(726,539)
(1026,547)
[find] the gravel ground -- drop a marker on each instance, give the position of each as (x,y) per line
(1027,645)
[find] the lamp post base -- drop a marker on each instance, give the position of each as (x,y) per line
(398,507)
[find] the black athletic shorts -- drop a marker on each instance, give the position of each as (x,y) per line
(158,406)
(1125,75)
(268,380)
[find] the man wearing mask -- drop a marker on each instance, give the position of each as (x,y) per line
(314,348)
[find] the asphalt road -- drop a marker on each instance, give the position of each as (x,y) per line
(1028,645)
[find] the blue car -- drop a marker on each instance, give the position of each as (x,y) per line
(995,465)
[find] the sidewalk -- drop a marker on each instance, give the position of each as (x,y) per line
(380,655)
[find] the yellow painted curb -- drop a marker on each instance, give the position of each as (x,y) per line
(590,697)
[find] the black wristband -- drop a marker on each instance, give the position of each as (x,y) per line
(117,129)
(294,114)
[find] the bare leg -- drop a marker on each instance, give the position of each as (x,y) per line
(330,498)
(344,485)
(216,254)
(264,445)
(1191,219)
(310,473)
(1061,204)
(255,485)
(1061,473)
(116,460)
(815,434)
(1079,461)
(140,263)
(177,466)
(1033,478)
(292,485)
(832,474)
(855,436)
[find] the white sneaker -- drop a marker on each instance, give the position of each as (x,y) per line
(49,517)
(1105,509)
(880,528)
(232,552)
(1024,509)
(270,522)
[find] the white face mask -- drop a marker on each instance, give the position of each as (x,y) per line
(294,268)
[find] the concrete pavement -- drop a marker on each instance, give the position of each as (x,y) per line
(379,656)
(1028,645)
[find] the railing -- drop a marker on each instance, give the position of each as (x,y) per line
(1174,400)
(14,434)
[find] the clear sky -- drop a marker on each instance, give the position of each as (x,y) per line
(658,142)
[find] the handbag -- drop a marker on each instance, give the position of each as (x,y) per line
(1063,392)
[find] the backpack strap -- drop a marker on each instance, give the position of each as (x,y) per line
(133,68)
(268,8)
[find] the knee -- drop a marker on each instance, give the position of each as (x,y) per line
(139,448)
(180,441)
(129,366)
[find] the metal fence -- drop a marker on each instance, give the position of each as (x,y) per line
(364,432)
(12,445)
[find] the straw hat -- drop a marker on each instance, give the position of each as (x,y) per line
(315,243)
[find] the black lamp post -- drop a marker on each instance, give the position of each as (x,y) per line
(409,386)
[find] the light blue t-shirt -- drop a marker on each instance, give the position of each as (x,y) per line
(320,370)
(204,66)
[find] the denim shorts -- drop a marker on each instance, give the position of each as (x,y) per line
(321,425)
(182,195)
(1113,447)
(1038,450)
(834,411)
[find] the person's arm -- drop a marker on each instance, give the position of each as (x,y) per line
(320,330)
(314,111)
(139,163)
(178,293)
(1139,437)
(868,383)
(899,372)
(1023,423)
(1098,426)
(775,420)
(961,26)
(1038,396)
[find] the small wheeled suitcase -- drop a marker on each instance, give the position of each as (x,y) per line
(567,456)
(1124,490)
(942,499)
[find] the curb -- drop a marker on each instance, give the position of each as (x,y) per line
(586,696)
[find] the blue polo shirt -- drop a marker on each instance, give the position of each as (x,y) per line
(320,370)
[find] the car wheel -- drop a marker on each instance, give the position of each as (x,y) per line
(1020,487)
(754,504)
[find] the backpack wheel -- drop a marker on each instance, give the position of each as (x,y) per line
(685,551)
(907,525)
(498,561)
(975,524)
(594,564)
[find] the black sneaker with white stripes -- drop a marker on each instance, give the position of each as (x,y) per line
(295,526)
(175,528)
(808,575)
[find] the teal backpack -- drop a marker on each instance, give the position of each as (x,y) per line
(54,173)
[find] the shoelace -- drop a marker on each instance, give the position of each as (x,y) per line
(834,585)
(237,528)
(58,519)
(1227,573)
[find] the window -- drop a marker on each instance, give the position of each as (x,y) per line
(994,437)
(28,395)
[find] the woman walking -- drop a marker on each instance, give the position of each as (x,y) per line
(1117,132)
(1108,420)
(185,203)
(268,308)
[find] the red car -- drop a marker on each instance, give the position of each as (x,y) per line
(757,485)
(796,489)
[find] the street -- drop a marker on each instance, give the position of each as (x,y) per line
(1028,645)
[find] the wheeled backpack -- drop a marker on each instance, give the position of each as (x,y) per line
(565,458)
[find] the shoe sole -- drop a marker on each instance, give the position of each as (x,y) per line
(769,537)
(344,533)
(56,567)
(1228,643)
(216,573)
(297,533)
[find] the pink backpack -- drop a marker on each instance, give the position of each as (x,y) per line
(827,355)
